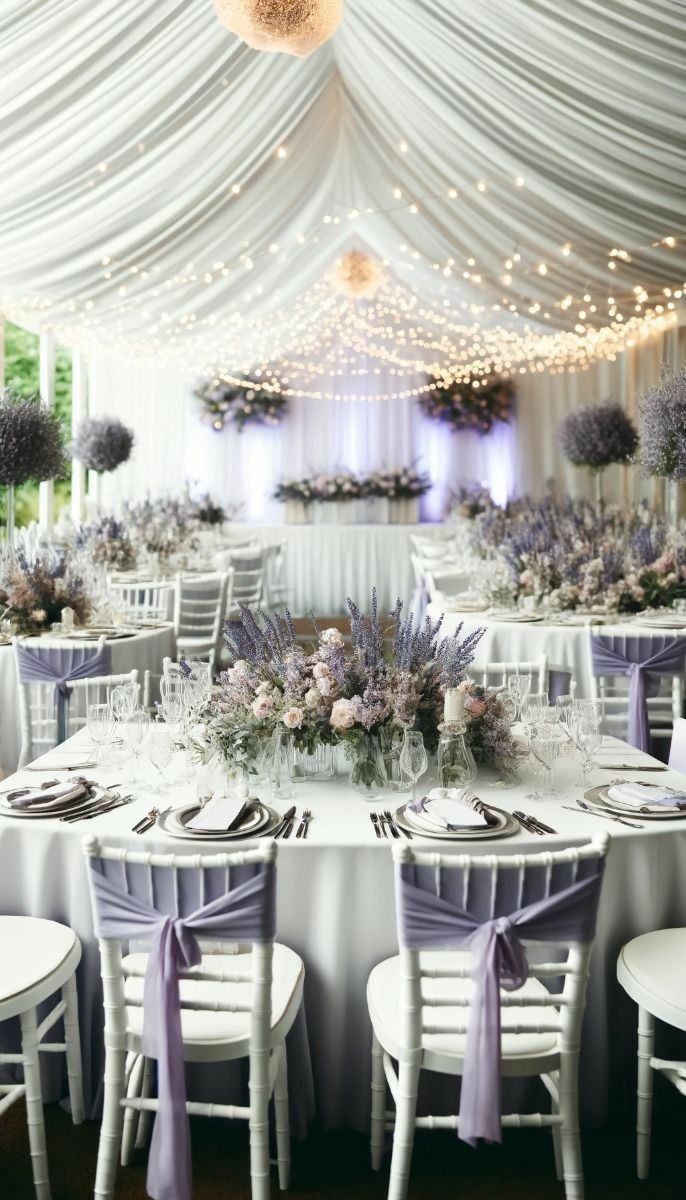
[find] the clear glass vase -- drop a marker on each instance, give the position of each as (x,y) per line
(391,739)
(320,764)
(369,775)
(456,765)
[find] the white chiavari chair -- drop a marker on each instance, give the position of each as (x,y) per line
(239,1003)
(611,692)
(150,602)
(420,1002)
(494,675)
(200,609)
(38,959)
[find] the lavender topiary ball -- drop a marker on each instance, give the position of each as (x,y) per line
(663,426)
(30,440)
(598,435)
(102,443)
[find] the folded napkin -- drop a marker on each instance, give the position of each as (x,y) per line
(219,812)
(645,795)
(47,798)
(452,808)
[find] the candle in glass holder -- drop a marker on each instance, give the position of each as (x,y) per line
(453,706)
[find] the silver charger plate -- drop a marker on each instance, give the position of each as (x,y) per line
(505,828)
(35,812)
(268,819)
(599,797)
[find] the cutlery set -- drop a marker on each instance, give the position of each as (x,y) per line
(606,816)
(532,824)
(383,821)
(285,829)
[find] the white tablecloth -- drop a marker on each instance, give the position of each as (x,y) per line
(326,563)
(144,651)
(336,909)
(567,646)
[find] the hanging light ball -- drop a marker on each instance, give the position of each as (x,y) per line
(358,275)
(293,26)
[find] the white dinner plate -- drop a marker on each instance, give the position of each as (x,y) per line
(35,812)
(598,796)
(507,825)
(260,821)
(516,618)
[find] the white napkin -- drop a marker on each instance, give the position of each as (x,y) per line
(218,813)
(637,795)
(444,807)
(47,798)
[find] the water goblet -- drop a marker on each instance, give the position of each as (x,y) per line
(546,746)
(136,730)
(101,727)
(413,759)
(123,700)
(519,687)
(160,752)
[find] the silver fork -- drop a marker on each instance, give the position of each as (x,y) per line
(394,827)
(378,824)
(116,802)
(304,823)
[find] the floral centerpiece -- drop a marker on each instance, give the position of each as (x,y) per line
(469,499)
(209,513)
(34,595)
(223,404)
(107,542)
(472,404)
(489,733)
(31,446)
(400,486)
(597,436)
(161,527)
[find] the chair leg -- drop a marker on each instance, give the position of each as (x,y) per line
(403,1135)
(130,1125)
(112,1122)
(34,1104)
(283,1132)
(557,1146)
(644,1106)
(259,1140)
(145,1116)
(378,1129)
(570,1140)
(73,1043)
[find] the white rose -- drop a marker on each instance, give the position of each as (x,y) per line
(262,706)
(293,718)
(312,698)
(332,637)
(342,714)
(320,670)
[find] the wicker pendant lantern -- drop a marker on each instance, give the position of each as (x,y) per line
(292,26)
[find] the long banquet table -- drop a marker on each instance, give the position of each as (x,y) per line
(144,650)
(336,909)
(326,563)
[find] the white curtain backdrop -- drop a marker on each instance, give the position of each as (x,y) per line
(174,446)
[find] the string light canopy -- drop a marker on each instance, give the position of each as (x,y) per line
(203,223)
(293,26)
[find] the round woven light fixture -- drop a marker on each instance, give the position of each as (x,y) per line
(293,26)
(358,275)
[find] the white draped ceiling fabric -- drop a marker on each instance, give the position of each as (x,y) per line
(516,167)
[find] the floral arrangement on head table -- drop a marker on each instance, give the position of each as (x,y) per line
(383,675)
(474,404)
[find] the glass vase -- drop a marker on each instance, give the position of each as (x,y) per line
(368,775)
(456,765)
(391,744)
(303,766)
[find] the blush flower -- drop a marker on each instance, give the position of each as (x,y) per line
(262,706)
(320,670)
(342,714)
(293,718)
(333,637)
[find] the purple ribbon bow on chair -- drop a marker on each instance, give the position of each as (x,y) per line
(639,658)
(499,960)
(58,664)
(245,914)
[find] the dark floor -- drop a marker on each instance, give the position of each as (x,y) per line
(336,1165)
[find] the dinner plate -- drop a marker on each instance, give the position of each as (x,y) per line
(93,635)
(599,797)
(261,821)
(507,825)
(518,618)
(660,621)
(35,812)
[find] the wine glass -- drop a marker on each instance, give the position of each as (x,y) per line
(519,687)
(589,738)
(546,747)
(123,700)
(101,727)
(413,760)
(136,730)
(160,752)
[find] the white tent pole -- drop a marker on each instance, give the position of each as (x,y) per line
(46,491)
(79,410)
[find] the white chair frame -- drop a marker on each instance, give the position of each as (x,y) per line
(612,693)
(153,602)
(557,1069)
(126,1075)
(494,675)
(23,1004)
(198,615)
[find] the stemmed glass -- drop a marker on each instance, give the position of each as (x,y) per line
(136,730)
(519,687)
(589,739)
(160,751)
(546,746)
(101,727)
(413,761)
(172,694)
(123,700)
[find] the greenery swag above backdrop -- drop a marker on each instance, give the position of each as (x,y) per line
(223,405)
(471,404)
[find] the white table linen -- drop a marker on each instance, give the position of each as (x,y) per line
(568,647)
(336,909)
(143,651)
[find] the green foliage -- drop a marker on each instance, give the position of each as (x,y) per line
(23,373)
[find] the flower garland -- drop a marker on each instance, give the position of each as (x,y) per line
(473,404)
(391,483)
(223,405)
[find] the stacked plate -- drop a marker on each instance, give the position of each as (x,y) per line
(259,821)
(601,799)
(516,616)
(92,633)
(504,825)
(78,797)
(661,620)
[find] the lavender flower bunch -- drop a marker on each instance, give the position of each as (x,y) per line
(35,594)
(107,541)
(31,444)
(596,436)
(663,426)
(102,443)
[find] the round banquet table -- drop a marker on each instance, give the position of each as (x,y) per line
(336,909)
(568,647)
(144,651)
(326,563)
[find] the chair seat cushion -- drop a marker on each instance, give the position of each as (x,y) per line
(222,1035)
(652,969)
(32,950)
(445,1051)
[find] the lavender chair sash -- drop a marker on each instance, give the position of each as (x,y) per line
(640,660)
(245,914)
(58,664)
(499,960)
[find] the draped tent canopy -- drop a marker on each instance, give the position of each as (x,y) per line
(169,191)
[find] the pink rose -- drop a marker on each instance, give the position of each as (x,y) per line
(475,707)
(320,670)
(262,706)
(38,615)
(293,718)
(342,714)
